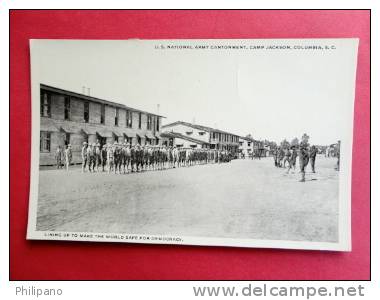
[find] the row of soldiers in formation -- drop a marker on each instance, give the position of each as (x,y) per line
(124,158)
(288,155)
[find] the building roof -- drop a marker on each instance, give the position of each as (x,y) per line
(94,99)
(197,126)
(171,134)
(249,139)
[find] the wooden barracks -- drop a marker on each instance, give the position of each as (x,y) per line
(71,118)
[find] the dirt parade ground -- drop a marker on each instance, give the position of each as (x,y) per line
(241,199)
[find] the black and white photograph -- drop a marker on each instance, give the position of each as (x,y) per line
(244,143)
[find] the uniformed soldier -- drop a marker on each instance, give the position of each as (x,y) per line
(103,157)
(91,157)
(110,158)
(338,156)
(118,157)
(175,157)
(287,157)
(293,158)
(313,155)
(145,163)
(97,156)
(281,155)
(304,159)
(275,151)
(84,156)
(58,157)
(139,158)
(126,157)
(68,156)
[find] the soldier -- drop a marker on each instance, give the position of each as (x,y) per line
(338,156)
(293,159)
(138,155)
(97,156)
(145,157)
(287,158)
(313,154)
(103,157)
(151,157)
(304,159)
(110,158)
(281,155)
(58,157)
(126,154)
(90,157)
(84,156)
(68,156)
(118,157)
(275,151)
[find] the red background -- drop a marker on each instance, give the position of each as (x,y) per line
(81,260)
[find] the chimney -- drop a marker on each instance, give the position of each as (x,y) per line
(158,108)
(88,91)
(193,120)
(83,90)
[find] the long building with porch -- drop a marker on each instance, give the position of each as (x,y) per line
(68,117)
(212,137)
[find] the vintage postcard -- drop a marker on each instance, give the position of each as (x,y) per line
(243,143)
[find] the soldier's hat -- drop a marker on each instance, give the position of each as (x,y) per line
(84,143)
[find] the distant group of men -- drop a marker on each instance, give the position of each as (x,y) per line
(124,158)
(63,157)
(288,155)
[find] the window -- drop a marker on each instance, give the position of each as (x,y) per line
(149,124)
(128,121)
(116,116)
(214,135)
(158,124)
(44,141)
(201,132)
(102,114)
(139,120)
(86,111)
(45,105)
(67,108)
(139,140)
(157,141)
(249,144)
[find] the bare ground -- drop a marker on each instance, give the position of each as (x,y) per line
(241,199)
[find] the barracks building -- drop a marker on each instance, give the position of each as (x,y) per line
(249,146)
(204,136)
(71,118)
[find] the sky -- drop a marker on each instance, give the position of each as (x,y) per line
(269,93)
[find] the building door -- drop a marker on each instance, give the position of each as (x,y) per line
(102,140)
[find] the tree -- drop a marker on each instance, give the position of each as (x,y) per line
(285,144)
(295,142)
(305,138)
